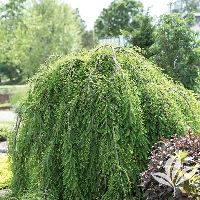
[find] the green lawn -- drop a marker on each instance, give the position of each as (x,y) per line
(17,93)
(11,88)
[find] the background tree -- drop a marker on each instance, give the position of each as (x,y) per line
(143,35)
(12,9)
(52,29)
(10,71)
(88,39)
(125,17)
(11,20)
(36,30)
(174,50)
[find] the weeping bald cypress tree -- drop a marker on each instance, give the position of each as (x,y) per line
(89,121)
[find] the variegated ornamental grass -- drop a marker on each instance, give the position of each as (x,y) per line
(88,123)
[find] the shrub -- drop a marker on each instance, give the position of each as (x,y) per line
(3,135)
(89,121)
(5,131)
(5,172)
(188,149)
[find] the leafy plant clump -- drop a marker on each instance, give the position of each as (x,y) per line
(5,172)
(89,121)
(179,175)
(5,131)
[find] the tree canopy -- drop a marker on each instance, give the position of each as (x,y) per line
(32,32)
(125,17)
(12,9)
(52,29)
(175,50)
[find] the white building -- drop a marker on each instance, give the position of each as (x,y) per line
(114,41)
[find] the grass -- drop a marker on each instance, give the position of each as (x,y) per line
(5,172)
(4,89)
(5,124)
(33,195)
(17,93)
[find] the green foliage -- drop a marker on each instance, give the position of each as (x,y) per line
(12,9)
(89,40)
(18,95)
(33,195)
(89,121)
(5,131)
(52,29)
(174,50)
(126,17)
(11,16)
(15,92)
(5,172)
(142,36)
(117,16)
(9,70)
(42,29)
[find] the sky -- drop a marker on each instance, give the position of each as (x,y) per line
(90,9)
